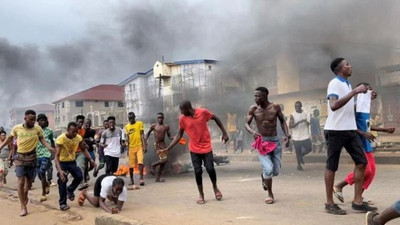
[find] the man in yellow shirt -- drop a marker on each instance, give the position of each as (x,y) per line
(66,146)
(137,147)
(28,135)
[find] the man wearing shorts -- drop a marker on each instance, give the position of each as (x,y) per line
(160,129)
(108,187)
(340,131)
(28,135)
(137,147)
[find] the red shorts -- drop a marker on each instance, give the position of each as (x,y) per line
(369,173)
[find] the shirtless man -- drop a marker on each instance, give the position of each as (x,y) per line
(159,134)
(266,114)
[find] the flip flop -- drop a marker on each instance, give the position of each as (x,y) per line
(338,195)
(71,196)
(161,180)
(81,198)
(43,198)
(218,195)
(141,182)
(269,200)
(24,212)
(200,200)
(369,202)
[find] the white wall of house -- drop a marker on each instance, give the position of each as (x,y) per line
(66,111)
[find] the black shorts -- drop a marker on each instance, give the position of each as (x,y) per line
(111,164)
(336,140)
(97,184)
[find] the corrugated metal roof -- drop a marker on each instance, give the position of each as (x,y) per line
(134,76)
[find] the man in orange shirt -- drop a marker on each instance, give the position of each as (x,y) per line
(194,122)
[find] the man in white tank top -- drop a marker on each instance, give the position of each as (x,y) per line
(299,123)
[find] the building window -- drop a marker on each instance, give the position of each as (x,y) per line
(120,104)
(62,105)
(78,103)
(132,87)
(106,104)
(209,67)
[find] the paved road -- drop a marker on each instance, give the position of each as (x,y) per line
(299,198)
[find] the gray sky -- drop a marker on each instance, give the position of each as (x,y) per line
(53,48)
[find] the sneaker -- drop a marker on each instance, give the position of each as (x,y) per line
(363,208)
(334,209)
(369,218)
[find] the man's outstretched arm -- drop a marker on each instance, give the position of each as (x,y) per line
(225,137)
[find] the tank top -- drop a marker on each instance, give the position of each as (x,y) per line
(300,132)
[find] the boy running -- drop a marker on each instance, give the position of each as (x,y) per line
(44,155)
(160,129)
(65,159)
(194,122)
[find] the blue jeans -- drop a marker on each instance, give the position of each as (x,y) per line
(63,190)
(42,166)
(271,163)
(396,206)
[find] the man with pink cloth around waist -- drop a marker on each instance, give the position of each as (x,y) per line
(266,115)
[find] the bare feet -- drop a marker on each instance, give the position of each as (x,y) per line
(153,170)
(133,188)
(24,211)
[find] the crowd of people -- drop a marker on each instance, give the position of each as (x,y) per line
(31,147)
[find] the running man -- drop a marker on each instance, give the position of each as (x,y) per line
(80,157)
(5,154)
(340,131)
(44,155)
(266,115)
(364,128)
(108,187)
(194,122)
(28,135)
(100,150)
(111,141)
(66,145)
(89,141)
(160,129)
(137,147)
(299,123)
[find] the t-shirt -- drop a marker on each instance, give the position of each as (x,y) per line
(363,107)
(82,133)
(106,189)
(68,147)
(300,132)
(28,138)
(89,138)
(344,118)
(41,150)
(133,133)
(197,130)
(113,141)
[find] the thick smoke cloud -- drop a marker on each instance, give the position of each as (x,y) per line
(246,35)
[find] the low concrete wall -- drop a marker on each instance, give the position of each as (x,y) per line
(109,219)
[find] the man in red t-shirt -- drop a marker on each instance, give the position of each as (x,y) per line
(194,122)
